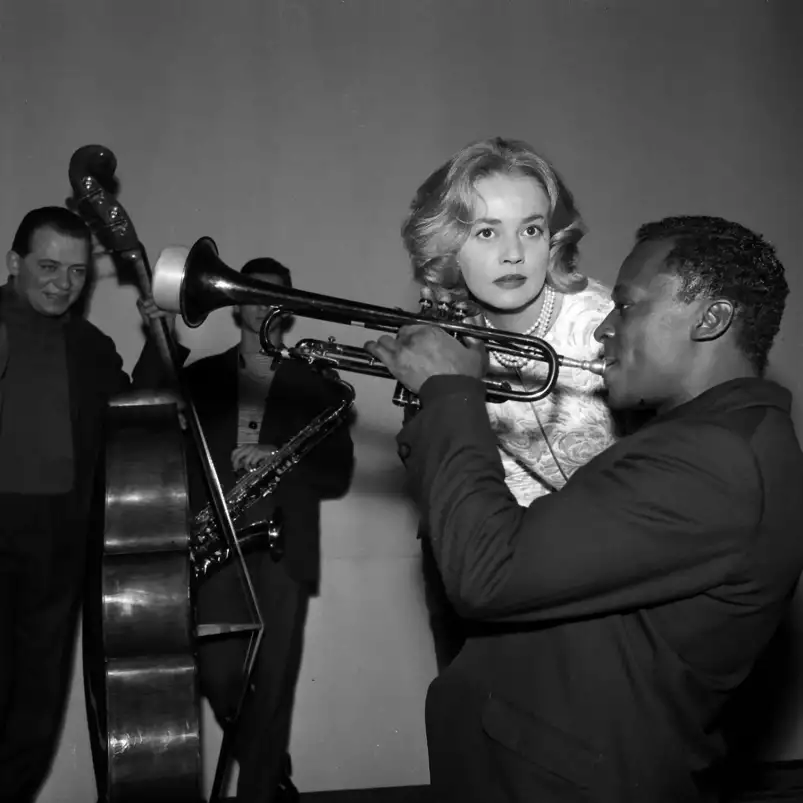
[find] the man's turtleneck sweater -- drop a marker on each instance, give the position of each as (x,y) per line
(36,448)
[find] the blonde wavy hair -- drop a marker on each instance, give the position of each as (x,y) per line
(439,219)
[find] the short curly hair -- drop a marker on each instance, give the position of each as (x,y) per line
(439,219)
(716,258)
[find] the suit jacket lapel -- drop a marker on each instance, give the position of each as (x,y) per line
(217,409)
(231,413)
(3,360)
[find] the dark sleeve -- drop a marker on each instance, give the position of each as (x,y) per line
(114,378)
(328,467)
(668,519)
(195,376)
(150,372)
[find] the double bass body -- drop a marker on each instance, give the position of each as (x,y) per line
(143,694)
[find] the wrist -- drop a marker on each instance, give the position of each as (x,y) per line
(442,385)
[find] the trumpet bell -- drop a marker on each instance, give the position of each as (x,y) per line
(170,279)
(168,276)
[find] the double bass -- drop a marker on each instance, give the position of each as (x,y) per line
(140,669)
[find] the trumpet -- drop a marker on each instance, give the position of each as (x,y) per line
(196,282)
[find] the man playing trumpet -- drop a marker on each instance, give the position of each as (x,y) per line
(624,611)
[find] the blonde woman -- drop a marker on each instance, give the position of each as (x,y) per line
(496,227)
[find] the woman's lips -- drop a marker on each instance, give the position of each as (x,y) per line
(510,281)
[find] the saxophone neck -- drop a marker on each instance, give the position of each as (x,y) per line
(347,392)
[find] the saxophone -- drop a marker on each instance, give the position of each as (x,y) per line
(209,549)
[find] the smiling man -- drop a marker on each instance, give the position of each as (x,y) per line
(57,371)
(622,612)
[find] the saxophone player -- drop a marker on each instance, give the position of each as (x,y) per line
(248,408)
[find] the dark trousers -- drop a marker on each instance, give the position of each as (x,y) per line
(41,572)
(765,782)
(263,731)
(447,627)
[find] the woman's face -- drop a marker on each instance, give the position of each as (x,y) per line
(505,258)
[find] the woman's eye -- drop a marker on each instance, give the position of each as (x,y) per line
(533,231)
(485,234)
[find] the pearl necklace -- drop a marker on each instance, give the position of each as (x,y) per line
(538,329)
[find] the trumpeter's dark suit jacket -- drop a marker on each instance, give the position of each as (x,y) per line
(620,613)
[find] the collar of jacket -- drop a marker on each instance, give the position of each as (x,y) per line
(735,394)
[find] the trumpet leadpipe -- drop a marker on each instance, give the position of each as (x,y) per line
(341,355)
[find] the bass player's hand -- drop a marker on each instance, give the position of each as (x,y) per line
(150,312)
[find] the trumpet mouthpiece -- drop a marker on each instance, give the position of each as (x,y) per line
(597,366)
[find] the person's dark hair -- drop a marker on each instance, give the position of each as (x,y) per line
(716,258)
(57,218)
(267,265)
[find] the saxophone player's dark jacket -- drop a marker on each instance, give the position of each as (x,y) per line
(297,394)
(620,614)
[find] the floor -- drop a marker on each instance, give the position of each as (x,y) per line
(767,783)
(397,794)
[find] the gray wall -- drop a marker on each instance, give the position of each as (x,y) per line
(300,129)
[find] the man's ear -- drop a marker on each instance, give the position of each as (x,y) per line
(13,260)
(715,319)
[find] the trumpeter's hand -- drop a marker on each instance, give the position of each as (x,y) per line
(419,352)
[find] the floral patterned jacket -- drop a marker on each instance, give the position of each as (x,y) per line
(574,417)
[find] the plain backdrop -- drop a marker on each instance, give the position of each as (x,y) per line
(300,129)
